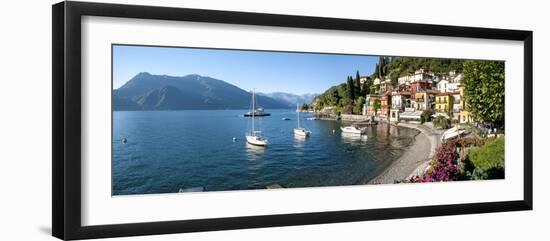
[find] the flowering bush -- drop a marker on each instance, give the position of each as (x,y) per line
(442,168)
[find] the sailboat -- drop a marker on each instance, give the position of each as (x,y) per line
(300,131)
(255,137)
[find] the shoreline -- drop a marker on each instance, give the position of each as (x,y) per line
(416,158)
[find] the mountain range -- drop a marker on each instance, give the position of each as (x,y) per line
(290,99)
(192,92)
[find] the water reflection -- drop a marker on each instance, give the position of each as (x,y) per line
(254,152)
(353,138)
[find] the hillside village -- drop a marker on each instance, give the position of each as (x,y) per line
(416,93)
(458,105)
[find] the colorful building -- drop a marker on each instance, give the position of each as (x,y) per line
(420,86)
(443,102)
(369,104)
(400,100)
(418,75)
(385,105)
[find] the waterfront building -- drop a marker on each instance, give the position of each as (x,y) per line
(423,100)
(400,100)
(443,102)
(369,103)
(385,104)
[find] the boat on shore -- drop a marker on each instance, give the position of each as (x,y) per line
(451,133)
(353,129)
(255,137)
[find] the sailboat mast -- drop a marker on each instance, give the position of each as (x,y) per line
(298,114)
(253,110)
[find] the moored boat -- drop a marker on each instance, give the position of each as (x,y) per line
(255,137)
(353,129)
(300,131)
(257,112)
(451,133)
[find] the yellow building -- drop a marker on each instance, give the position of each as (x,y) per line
(465,116)
(443,103)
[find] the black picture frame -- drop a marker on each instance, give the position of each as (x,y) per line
(66,127)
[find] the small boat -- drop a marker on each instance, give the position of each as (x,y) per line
(451,133)
(285,118)
(353,129)
(255,137)
(300,131)
(312,118)
(257,112)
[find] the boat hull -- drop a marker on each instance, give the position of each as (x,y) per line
(256,115)
(301,132)
(253,140)
(353,131)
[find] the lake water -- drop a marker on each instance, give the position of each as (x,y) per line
(192,150)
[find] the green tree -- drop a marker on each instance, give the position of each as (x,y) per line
(357,84)
(351,88)
(376,105)
(348,109)
(358,107)
(484,90)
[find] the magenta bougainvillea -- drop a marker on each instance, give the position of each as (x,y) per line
(443,167)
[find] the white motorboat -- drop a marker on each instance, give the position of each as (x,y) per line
(353,130)
(300,131)
(255,137)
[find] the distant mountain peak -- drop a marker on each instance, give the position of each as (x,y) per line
(147,91)
(143,74)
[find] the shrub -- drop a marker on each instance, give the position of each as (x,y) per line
(425,116)
(444,166)
(486,161)
(442,122)
(470,141)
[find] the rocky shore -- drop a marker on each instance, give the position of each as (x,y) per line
(415,160)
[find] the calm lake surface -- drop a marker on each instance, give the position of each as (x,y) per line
(192,150)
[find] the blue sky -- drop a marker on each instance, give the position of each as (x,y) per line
(267,72)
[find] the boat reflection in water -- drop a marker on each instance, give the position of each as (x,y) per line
(299,141)
(352,137)
(254,152)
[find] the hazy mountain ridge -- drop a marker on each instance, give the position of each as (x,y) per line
(162,92)
(290,99)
